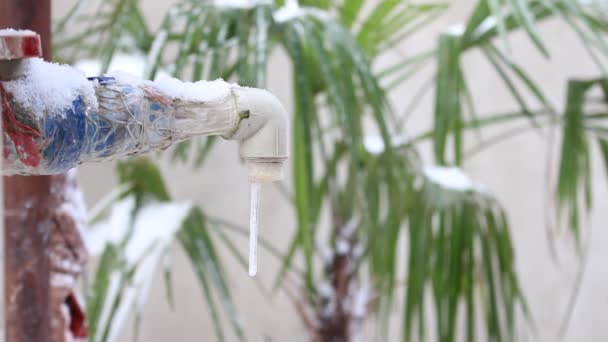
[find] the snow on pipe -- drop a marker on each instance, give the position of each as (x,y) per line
(57,119)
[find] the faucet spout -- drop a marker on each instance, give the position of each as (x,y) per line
(262,130)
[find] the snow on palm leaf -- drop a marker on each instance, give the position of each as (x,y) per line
(458,227)
(240,4)
(452,223)
(131,248)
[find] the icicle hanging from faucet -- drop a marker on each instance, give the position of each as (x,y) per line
(254,224)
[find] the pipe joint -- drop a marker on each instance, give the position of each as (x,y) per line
(262,131)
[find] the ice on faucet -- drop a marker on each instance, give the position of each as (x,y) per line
(254,222)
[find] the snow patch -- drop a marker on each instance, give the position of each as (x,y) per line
(153,226)
(324,251)
(452,178)
(74,204)
(486,25)
(456,30)
(63,280)
(240,4)
(342,246)
(153,229)
(12,32)
(325,290)
(201,91)
(292,10)
(50,87)
(374,144)
(358,251)
(360,301)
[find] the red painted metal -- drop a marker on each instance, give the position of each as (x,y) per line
(22,136)
(35,310)
(18,46)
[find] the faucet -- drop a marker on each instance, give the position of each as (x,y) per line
(262,132)
(55,119)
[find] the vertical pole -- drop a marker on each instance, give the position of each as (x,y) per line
(29,203)
(2,245)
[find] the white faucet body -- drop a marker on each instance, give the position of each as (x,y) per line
(262,132)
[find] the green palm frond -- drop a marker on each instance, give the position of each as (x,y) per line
(574,185)
(460,249)
(495,19)
(348,154)
(122,281)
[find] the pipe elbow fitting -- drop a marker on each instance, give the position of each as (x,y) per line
(262,132)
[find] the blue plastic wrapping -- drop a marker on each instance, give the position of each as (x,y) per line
(127,119)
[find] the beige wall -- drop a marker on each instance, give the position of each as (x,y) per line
(514,171)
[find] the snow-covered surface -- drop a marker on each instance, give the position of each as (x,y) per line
(74,204)
(254,222)
(486,25)
(153,229)
(244,4)
(154,224)
(120,317)
(49,86)
(374,144)
(325,290)
(324,251)
(360,302)
(13,32)
(292,10)
(456,30)
(63,280)
(452,178)
(201,91)
(342,246)
(357,303)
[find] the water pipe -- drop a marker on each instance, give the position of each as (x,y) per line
(55,119)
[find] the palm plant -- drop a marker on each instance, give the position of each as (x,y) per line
(351,157)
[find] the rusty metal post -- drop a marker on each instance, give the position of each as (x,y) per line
(27,269)
(33,221)
(2,245)
(13,50)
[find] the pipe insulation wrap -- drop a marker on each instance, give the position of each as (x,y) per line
(122,119)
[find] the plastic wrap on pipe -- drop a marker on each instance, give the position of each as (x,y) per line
(127,119)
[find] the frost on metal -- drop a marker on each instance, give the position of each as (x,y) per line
(56,118)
